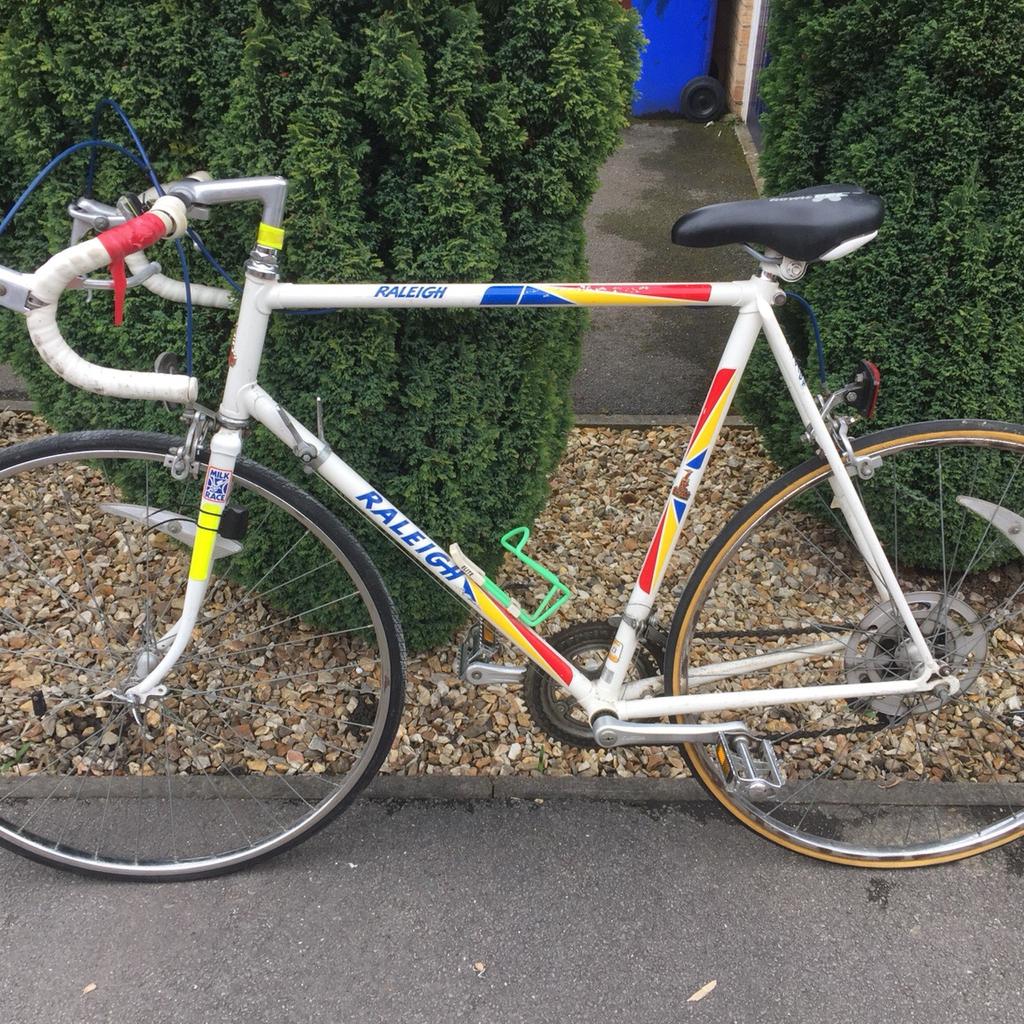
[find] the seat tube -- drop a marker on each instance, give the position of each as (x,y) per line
(684,491)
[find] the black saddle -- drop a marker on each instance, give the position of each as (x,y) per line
(804,225)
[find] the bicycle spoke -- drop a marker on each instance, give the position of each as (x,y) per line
(297,655)
(881,778)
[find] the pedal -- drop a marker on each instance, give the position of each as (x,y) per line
(475,663)
(756,775)
(479,645)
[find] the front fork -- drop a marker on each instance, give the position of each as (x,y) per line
(225,447)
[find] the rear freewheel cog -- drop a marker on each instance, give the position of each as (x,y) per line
(880,650)
(586,645)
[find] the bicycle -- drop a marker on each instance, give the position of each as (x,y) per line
(839,673)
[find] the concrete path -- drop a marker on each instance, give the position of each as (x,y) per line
(658,361)
(11,387)
(570,911)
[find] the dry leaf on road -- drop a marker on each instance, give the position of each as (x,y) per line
(702,991)
(91,987)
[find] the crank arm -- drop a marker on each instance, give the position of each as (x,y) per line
(614,732)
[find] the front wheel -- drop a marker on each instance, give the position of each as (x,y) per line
(282,707)
(890,781)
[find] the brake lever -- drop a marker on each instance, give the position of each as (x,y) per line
(89,215)
(107,283)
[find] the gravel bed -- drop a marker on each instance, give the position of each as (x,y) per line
(606,497)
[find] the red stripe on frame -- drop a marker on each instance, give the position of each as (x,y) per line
(718,386)
(548,655)
(689,292)
(647,572)
(561,667)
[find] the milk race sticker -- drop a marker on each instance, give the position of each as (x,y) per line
(216,487)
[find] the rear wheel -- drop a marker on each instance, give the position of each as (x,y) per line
(282,707)
(888,781)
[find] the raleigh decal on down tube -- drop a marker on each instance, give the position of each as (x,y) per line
(388,518)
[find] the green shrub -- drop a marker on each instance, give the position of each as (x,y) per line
(923,104)
(423,141)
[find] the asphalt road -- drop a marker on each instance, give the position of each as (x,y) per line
(577,911)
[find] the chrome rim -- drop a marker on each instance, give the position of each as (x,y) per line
(893,779)
(270,722)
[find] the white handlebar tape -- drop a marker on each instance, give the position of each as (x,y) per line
(167,219)
(168,287)
(174,291)
(172,210)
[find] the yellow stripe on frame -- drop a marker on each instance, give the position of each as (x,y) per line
(668,536)
(270,236)
(206,537)
(703,439)
(588,297)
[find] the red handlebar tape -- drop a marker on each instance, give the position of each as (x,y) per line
(132,236)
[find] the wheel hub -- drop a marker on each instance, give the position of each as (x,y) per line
(879,650)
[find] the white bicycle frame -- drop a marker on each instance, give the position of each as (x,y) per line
(245,400)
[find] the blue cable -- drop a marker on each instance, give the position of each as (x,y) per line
(822,376)
(146,163)
(38,179)
(154,178)
(209,257)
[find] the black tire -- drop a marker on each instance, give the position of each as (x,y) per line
(702,99)
(228,800)
(586,645)
(889,781)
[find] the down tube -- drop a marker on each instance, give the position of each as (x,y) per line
(418,545)
(681,498)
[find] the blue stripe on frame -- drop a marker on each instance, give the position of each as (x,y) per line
(502,295)
(537,297)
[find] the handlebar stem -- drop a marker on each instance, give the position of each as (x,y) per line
(271,190)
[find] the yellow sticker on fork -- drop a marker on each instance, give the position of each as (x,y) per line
(206,537)
(270,236)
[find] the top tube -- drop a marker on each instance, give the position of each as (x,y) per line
(513,296)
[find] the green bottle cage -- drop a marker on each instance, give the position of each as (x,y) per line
(514,541)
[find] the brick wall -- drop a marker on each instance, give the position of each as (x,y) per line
(731,45)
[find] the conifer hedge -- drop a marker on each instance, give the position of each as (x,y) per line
(922,103)
(423,141)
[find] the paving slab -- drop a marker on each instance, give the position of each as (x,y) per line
(11,387)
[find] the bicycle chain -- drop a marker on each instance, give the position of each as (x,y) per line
(808,734)
(766,634)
